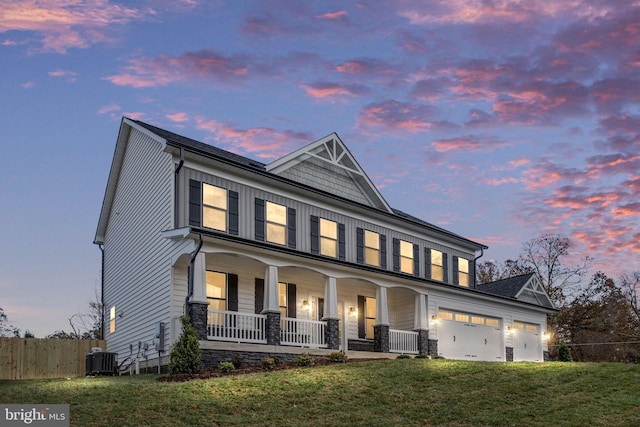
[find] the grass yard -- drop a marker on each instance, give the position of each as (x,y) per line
(415,392)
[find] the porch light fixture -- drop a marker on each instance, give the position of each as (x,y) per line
(306,305)
(509,330)
(353,311)
(546,336)
(434,319)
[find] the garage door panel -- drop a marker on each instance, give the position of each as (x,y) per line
(468,341)
(527,343)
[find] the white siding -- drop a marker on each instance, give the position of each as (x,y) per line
(137,269)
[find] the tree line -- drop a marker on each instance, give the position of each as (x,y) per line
(598,317)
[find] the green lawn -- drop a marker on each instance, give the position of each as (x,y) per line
(414,392)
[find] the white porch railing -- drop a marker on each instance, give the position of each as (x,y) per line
(236,327)
(403,341)
(302,333)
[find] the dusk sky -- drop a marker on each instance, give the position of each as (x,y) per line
(498,120)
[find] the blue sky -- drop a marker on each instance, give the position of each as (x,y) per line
(500,120)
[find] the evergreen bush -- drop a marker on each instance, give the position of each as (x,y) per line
(186,356)
(338,357)
(304,359)
(226,367)
(564,352)
(269,363)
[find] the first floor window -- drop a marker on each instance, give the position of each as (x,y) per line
(112,319)
(369,316)
(217,290)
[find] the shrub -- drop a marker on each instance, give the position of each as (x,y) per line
(186,356)
(238,362)
(422,356)
(338,357)
(226,367)
(403,356)
(269,363)
(564,352)
(304,359)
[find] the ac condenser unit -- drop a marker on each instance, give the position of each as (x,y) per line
(101,363)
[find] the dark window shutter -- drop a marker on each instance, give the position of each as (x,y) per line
(342,246)
(416,260)
(234,217)
(291,300)
(362,331)
(427,263)
(315,235)
(445,268)
(383,252)
(232,292)
(259,219)
(195,203)
(456,277)
(360,245)
(291,228)
(259,294)
(472,273)
(396,255)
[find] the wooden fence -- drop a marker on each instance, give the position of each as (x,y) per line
(34,358)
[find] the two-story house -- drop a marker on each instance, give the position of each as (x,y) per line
(301,254)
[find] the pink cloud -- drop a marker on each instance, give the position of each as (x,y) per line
(28,85)
(499,181)
(467,143)
(65,24)
(330,90)
(178,117)
(107,109)
(396,116)
(338,15)
(265,143)
(163,70)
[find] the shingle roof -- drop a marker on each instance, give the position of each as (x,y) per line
(506,287)
(200,146)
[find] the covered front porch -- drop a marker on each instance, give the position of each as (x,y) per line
(300,306)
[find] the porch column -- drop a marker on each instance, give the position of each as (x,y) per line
(272,305)
(331,332)
(381,327)
(198,304)
(421,324)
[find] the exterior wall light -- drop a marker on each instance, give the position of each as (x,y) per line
(353,311)
(306,305)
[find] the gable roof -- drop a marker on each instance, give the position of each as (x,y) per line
(526,288)
(330,149)
(327,164)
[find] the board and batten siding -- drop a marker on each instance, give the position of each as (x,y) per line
(247,195)
(137,269)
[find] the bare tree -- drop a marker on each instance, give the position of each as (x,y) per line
(491,271)
(546,256)
(629,285)
(86,325)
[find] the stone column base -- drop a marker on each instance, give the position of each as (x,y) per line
(381,338)
(423,341)
(273,328)
(332,334)
(432,348)
(198,313)
(509,354)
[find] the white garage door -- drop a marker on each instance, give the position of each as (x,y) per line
(467,336)
(527,343)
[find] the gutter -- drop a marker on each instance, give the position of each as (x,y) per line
(192,260)
(103,329)
(475,284)
(176,188)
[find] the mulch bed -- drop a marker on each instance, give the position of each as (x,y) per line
(249,370)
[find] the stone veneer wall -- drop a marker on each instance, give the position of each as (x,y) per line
(509,354)
(432,348)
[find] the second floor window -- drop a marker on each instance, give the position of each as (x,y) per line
(371,248)
(406,257)
(276,223)
(437,266)
(463,272)
(328,238)
(214,207)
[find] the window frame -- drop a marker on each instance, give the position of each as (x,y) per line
(270,222)
(437,267)
(324,240)
(112,319)
(405,245)
(463,274)
(374,251)
(368,320)
(226,290)
(215,208)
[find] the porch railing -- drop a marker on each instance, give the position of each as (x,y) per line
(302,333)
(403,341)
(236,327)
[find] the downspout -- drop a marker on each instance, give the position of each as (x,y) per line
(177,188)
(101,247)
(194,254)
(475,267)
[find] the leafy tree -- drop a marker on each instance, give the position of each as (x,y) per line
(186,356)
